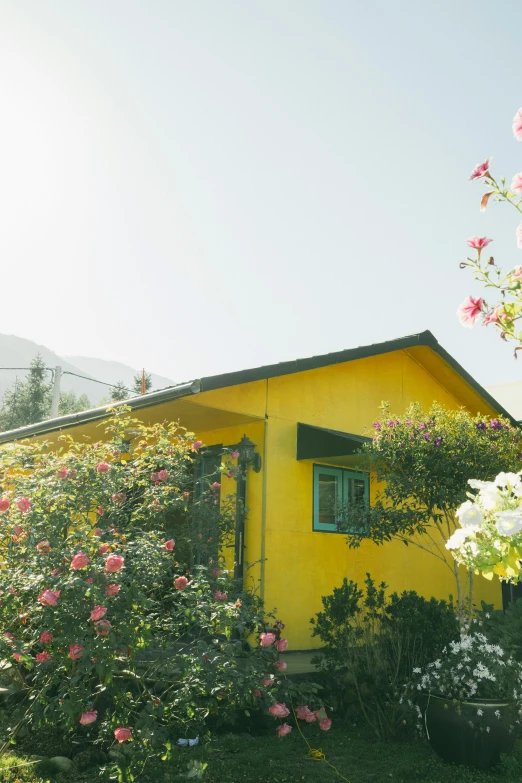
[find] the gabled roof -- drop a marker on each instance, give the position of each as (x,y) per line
(212,382)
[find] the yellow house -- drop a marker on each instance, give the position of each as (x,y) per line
(306,418)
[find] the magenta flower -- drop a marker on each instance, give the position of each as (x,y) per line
(469,311)
(123,735)
(103,467)
(437,442)
(46,637)
(495,424)
(88,717)
(114,563)
(98,612)
(23,504)
(180,583)
(4,504)
(481,169)
(377,425)
(478,243)
(43,656)
(266,639)
(79,561)
(427,436)
(279,710)
(283,729)
(517,125)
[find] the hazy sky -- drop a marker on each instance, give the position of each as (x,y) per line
(205,186)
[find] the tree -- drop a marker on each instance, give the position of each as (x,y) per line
(425,459)
(27,401)
(136,382)
(119,392)
(71,403)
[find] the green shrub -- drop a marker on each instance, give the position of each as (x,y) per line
(503,627)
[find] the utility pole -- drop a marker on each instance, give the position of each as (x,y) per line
(143,383)
(57,374)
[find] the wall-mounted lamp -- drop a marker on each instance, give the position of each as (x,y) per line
(248,455)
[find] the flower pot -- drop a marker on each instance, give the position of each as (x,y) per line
(460,734)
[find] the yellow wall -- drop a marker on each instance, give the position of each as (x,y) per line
(300,565)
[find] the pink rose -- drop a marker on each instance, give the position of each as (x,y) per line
(88,717)
(114,563)
(281,644)
(17,656)
(169,545)
(4,504)
(266,639)
(46,637)
(55,572)
(12,590)
(163,475)
(102,627)
(235,454)
(90,580)
(469,311)
(23,504)
(75,651)
(79,561)
(283,729)
(304,712)
(197,444)
(119,497)
(49,597)
(517,125)
(216,572)
(257,693)
(98,531)
(154,478)
(280,665)
(100,511)
(103,467)
(18,530)
(311,716)
(122,735)
(325,724)
(215,486)
(43,656)
(62,473)
(219,596)
(103,549)
(267,682)
(98,612)
(180,583)
(44,547)
(279,710)
(481,170)
(112,590)
(479,243)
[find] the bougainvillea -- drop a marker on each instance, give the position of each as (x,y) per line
(116,633)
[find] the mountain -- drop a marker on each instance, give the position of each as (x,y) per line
(510,396)
(19,352)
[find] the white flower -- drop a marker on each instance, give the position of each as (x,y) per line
(476,484)
(457,539)
(480,712)
(470,516)
(490,498)
(487,729)
(508,523)
(509,480)
(497,713)
(417,671)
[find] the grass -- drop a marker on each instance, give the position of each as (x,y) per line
(240,758)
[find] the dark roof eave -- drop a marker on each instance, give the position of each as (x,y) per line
(97,414)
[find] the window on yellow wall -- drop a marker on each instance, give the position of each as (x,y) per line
(335,489)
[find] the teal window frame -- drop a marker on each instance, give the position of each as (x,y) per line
(344,476)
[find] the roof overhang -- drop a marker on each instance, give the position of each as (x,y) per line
(329,446)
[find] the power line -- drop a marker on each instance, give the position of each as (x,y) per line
(68,372)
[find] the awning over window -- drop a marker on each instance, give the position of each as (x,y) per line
(328,445)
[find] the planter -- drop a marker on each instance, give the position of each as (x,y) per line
(459,735)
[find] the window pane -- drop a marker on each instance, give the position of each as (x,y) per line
(328,496)
(357,491)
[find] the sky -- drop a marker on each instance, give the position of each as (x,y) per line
(198,187)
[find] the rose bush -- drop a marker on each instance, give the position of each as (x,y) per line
(115,635)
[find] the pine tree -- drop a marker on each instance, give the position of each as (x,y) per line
(119,392)
(27,401)
(136,382)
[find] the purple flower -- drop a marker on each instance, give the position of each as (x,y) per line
(422,426)
(496,424)
(480,425)
(407,422)
(427,436)
(401,445)
(390,423)
(437,441)
(377,425)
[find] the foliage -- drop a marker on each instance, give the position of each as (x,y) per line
(504,627)
(424,459)
(372,642)
(137,382)
(119,392)
(505,313)
(70,402)
(112,634)
(27,401)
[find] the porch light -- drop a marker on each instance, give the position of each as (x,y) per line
(248,455)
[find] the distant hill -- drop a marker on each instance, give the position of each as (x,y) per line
(19,352)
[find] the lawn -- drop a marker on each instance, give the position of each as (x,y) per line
(237,758)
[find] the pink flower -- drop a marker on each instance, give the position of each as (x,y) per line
(519,236)
(492,317)
(517,125)
(283,729)
(118,497)
(55,572)
(311,716)
(219,596)
(180,583)
(516,185)
(62,473)
(12,590)
(98,531)
(279,710)
(267,682)
(169,545)
(43,656)
(46,637)
(90,580)
(88,717)
(215,486)
(18,530)
(103,467)
(114,563)
(303,713)
(154,478)
(112,590)
(281,645)
(17,656)
(266,639)
(280,665)
(49,597)
(100,511)
(75,651)
(469,311)
(163,475)
(9,637)
(103,549)
(197,444)
(481,170)
(478,243)
(4,504)
(23,504)
(44,547)
(325,724)
(122,735)
(516,274)
(103,627)
(235,454)
(79,561)
(98,612)
(257,693)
